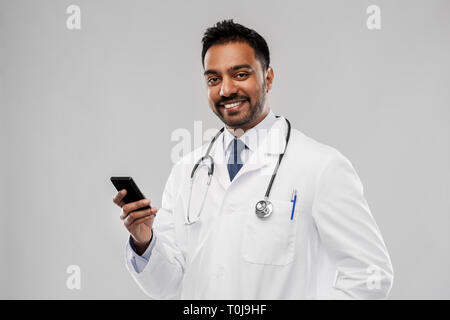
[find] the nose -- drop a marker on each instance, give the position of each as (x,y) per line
(228,87)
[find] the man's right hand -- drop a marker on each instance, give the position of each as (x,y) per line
(138,223)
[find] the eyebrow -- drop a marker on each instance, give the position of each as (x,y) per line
(234,68)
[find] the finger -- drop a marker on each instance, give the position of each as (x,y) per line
(139,221)
(138,215)
(119,196)
(130,223)
(135,214)
(125,213)
(129,207)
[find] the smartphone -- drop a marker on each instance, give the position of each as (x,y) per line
(133,192)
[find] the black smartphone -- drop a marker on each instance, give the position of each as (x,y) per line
(133,192)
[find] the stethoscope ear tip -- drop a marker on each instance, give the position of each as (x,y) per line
(209,178)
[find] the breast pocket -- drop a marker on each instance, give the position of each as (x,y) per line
(271,240)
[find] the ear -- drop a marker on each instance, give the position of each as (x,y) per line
(269,75)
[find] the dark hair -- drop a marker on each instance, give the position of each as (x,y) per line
(228,31)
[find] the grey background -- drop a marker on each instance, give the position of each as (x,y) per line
(80,106)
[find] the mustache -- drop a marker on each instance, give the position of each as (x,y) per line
(230,98)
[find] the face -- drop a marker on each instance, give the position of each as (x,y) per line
(237,84)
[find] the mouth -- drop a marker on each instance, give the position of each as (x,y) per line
(233,106)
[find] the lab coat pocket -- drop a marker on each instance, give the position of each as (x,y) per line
(271,240)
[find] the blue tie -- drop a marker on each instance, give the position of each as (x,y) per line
(235,162)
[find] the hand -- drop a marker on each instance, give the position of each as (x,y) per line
(138,223)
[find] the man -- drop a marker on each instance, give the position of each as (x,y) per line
(320,241)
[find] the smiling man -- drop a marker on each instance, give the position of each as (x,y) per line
(237,83)
(229,230)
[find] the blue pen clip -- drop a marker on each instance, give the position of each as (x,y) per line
(293,200)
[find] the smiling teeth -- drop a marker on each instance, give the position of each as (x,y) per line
(227,106)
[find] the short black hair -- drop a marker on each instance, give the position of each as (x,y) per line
(228,31)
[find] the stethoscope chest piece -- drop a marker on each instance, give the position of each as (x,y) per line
(263,208)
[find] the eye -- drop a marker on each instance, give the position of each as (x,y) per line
(242,75)
(212,80)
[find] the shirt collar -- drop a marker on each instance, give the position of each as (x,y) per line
(253,136)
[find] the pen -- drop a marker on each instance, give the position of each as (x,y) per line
(293,200)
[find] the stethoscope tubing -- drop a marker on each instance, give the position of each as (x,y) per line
(211,172)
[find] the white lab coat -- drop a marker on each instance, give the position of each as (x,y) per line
(331,249)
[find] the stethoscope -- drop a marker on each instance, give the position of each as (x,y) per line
(263,208)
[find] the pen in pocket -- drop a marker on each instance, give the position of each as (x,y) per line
(293,200)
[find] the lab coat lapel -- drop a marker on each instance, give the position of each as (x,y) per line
(220,168)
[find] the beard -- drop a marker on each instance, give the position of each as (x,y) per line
(247,115)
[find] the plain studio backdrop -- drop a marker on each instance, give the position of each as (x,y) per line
(78,106)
